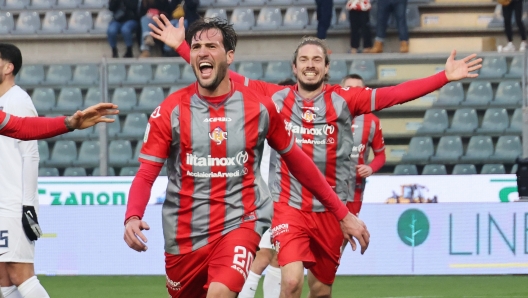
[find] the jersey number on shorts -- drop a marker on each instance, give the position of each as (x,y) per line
(242,258)
(3,239)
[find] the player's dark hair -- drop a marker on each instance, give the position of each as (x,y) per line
(315,41)
(287,82)
(352,76)
(202,25)
(10,52)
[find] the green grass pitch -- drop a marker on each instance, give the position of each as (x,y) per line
(344,286)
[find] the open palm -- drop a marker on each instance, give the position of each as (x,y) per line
(167,33)
(460,69)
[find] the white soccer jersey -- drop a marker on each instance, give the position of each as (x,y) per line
(18,159)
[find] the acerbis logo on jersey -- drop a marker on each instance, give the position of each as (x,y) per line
(218,119)
(325,130)
(309,116)
(241,158)
(218,135)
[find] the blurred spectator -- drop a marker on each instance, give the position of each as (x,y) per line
(398,8)
(125,21)
(150,9)
(187,9)
(324,16)
(508,7)
(359,14)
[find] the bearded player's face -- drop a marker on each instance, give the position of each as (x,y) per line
(310,68)
(209,59)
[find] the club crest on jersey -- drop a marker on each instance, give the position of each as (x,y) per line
(218,135)
(309,116)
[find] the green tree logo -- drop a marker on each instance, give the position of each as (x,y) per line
(413,229)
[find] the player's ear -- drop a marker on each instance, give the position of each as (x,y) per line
(8,68)
(230,57)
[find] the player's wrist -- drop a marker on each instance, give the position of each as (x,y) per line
(67,122)
(134,217)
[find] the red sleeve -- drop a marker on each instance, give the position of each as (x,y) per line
(139,193)
(367,100)
(279,134)
(378,146)
(158,135)
(31,128)
(184,50)
(307,173)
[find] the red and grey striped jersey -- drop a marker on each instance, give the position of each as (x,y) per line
(322,128)
(213,155)
(366,130)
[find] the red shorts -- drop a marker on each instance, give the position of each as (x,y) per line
(226,260)
(314,238)
(354,207)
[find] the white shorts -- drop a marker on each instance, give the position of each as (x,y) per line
(14,245)
(265,241)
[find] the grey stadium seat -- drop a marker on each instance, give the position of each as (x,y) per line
(479,149)
(277,71)
(97,172)
(243,19)
(420,150)
(149,99)
(509,93)
(493,169)
(296,18)
(139,73)
(42,4)
(104,17)
(43,99)
(63,154)
(15,4)
(280,2)
(87,74)
(80,22)
(68,4)
(167,73)
(342,19)
(78,134)
(216,13)
(516,68)
(269,18)
(128,171)
(7,23)
(74,172)
(478,94)
(88,154)
(405,170)
(514,169)
(434,169)
(59,74)
(313,19)
(175,88)
(125,98)
(69,100)
(251,2)
(93,96)
(48,172)
(134,126)
(28,22)
(116,73)
(449,150)
(451,94)
(187,74)
(493,67)
(119,153)
(507,149)
(435,122)
(337,70)
(43,150)
(495,121)
(112,128)
(94,4)
(31,74)
(251,69)
(413,16)
(227,3)
(464,169)
(465,121)
(134,161)
(516,122)
(54,22)
(365,68)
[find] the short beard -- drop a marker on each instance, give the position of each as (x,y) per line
(310,87)
(220,75)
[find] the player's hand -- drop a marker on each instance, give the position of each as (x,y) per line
(133,234)
(364,171)
(167,33)
(353,227)
(460,69)
(91,116)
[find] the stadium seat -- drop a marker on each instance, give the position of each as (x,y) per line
(87,74)
(43,99)
(280,2)
(88,154)
(365,68)
(48,172)
(31,74)
(125,98)
(434,169)
(102,20)
(277,71)
(69,100)
(149,99)
(251,2)
(58,74)
(94,4)
(42,4)
(119,153)
(134,161)
(493,67)
(465,121)
(54,22)
(74,172)
(405,170)
(507,149)
(420,150)
(516,122)
(342,20)
(7,23)
(338,70)
(251,69)
(139,73)
(449,150)
(128,171)
(116,73)
(478,94)
(15,4)
(134,126)
(187,74)
(63,154)
(516,68)
(464,169)
(313,19)
(97,171)
(269,18)
(175,88)
(296,18)
(413,16)
(493,169)
(451,94)
(514,169)
(44,153)
(243,19)
(68,4)
(226,3)
(78,134)
(112,129)
(435,122)
(509,94)
(216,13)
(93,96)
(495,121)
(479,149)
(28,22)
(80,22)
(167,73)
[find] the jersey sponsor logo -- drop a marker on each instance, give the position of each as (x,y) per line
(280,229)
(357,150)
(309,116)
(325,130)
(218,119)
(310,108)
(193,160)
(173,285)
(147,130)
(156,113)
(218,135)
(314,142)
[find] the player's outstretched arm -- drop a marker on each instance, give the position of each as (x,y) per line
(92,115)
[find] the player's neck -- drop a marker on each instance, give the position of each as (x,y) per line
(7,84)
(223,88)
(309,94)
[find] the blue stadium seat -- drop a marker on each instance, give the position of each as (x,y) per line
(87,74)
(365,68)
(516,122)
(116,73)
(101,21)
(243,19)
(134,126)
(509,94)
(54,22)
(58,74)
(63,154)
(464,169)
(7,23)
(451,94)
(516,68)
(31,74)
(269,18)
(216,13)
(296,18)
(493,169)
(277,71)
(28,22)
(43,99)
(449,150)
(465,121)
(251,69)
(479,149)
(167,73)
(80,22)
(48,172)
(478,94)
(88,154)
(119,153)
(69,100)
(93,96)
(493,67)
(125,98)
(435,122)
(405,170)
(420,150)
(139,73)
(74,172)
(149,99)
(112,128)
(434,169)
(495,121)
(507,149)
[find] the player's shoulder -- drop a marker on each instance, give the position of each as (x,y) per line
(253,95)
(175,98)
(371,117)
(20,95)
(344,90)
